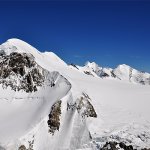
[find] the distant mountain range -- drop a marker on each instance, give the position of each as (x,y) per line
(122,72)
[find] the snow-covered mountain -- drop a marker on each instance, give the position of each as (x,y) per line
(121,72)
(47,105)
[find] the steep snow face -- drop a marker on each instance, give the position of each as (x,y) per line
(67,130)
(123,72)
(51,56)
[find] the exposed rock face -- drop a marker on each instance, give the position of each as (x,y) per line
(74,66)
(116,146)
(103,74)
(88,73)
(54,117)
(22,147)
(83,106)
(20,72)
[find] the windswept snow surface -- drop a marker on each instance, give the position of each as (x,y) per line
(122,109)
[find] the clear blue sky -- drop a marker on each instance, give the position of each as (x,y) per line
(107,32)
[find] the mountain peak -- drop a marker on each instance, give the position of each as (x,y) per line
(17,45)
(15,40)
(92,65)
(123,66)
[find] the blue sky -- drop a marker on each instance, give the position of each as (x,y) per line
(107,32)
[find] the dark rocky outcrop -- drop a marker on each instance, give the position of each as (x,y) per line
(103,74)
(54,117)
(116,146)
(88,73)
(22,147)
(20,72)
(30,146)
(83,106)
(74,66)
(113,74)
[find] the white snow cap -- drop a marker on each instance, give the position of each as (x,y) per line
(17,45)
(123,66)
(93,65)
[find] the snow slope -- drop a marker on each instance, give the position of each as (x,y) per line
(122,109)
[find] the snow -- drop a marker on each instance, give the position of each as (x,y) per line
(121,72)
(121,106)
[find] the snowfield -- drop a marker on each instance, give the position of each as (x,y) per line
(96,104)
